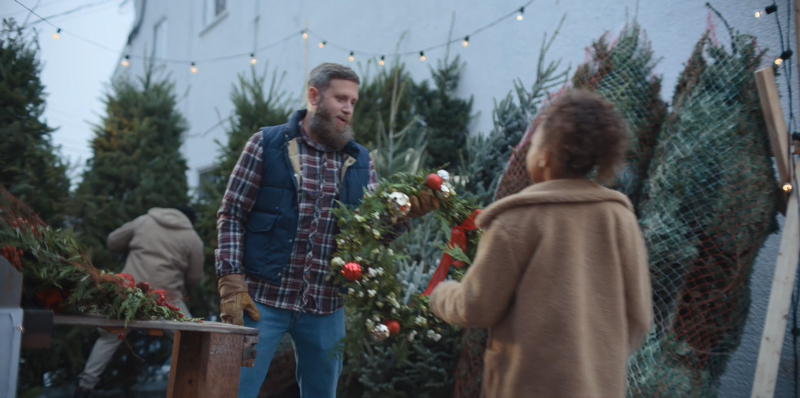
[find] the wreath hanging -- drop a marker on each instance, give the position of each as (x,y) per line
(364,265)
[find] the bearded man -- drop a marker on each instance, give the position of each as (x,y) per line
(276,231)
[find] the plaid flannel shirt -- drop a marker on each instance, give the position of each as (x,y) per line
(304,286)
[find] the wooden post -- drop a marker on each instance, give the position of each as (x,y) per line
(780,296)
(776,124)
(206,365)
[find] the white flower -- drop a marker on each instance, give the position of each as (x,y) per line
(376,234)
(391,252)
(360,294)
(359,259)
(444,175)
(376,215)
(360,219)
(376,251)
(420,321)
(410,337)
(351,291)
(393,302)
(371,292)
(379,304)
(373,272)
(337,261)
(340,242)
(433,335)
(394,311)
(376,318)
(380,271)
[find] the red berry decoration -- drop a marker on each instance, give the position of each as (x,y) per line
(351,272)
(143,286)
(121,336)
(180,315)
(394,327)
(434,182)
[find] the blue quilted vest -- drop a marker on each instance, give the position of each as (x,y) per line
(272,223)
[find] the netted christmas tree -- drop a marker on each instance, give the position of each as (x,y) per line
(30,167)
(622,72)
(708,205)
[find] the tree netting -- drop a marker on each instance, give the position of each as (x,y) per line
(704,189)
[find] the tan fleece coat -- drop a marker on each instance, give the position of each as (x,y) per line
(163,250)
(561,280)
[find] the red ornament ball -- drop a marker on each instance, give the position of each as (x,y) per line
(434,182)
(351,272)
(121,336)
(394,327)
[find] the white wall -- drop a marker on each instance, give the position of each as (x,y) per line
(494,59)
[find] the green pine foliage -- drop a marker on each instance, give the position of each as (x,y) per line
(137,163)
(446,116)
(30,167)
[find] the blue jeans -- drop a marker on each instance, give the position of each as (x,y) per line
(313,337)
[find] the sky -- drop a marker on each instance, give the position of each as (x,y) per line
(75,73)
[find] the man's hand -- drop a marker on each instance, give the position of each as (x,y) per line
(422,204)
(235,301)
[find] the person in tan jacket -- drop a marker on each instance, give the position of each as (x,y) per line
(163,250)
(561,275)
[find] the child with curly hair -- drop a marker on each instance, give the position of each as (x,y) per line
(561,275)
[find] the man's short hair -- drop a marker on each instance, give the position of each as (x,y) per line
(189,212)
(321,76)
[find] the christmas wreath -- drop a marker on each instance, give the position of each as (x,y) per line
(57,274)
(365,266)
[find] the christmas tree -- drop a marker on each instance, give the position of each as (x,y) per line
(384,101)
(446,116)
(707,207)
(622,72)
(30,167)
(137,162)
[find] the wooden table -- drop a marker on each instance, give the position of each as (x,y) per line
(206,357)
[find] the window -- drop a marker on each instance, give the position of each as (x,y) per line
(207,176)
(160,40)
(212,10)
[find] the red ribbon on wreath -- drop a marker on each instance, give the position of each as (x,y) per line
(458,238)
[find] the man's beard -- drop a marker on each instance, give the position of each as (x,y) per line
(323,126)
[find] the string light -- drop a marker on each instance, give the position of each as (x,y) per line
(253,59)
(56,35)
(126,61)
(382,61)
(466,42)
(766,11)
(521,11)
(305,35)
(193,69)
(351,57)
(784,56)
(422,56)
(787,187)
(322,44)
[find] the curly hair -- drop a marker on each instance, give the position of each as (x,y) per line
(585,132)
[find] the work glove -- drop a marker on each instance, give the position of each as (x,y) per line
(235,300)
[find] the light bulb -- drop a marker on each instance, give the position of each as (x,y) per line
(519,15)
(422,56)
(382,61)
(778,61)
(787,187)
(784,56)
(351,57)
(253,59)
(305,35)
(322,44)
(466,42)
(126,61)
(56,35)
(193,69)
(766,11)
